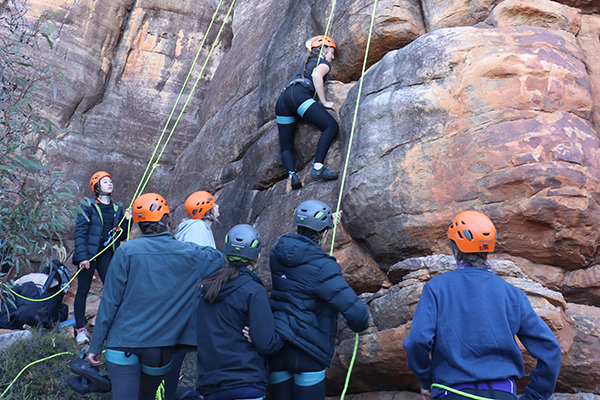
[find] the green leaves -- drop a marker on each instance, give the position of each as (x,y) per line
(37,205)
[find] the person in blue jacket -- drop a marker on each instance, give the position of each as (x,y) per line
(229,366)
(147,311)
(94,232)
(463,332)
(308,293)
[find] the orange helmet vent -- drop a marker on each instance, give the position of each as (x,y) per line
(320,40)
(473,232)
(149,207)
(198,203)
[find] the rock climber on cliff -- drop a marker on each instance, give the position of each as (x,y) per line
(298,99)
(462,338)
(309,292)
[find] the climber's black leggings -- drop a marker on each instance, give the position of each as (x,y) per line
(298,100)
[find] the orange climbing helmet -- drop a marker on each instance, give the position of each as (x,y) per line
(320,40)
(198,203)
(95,179)
(473,232)
(149,207)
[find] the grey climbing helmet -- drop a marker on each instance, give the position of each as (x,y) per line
(313,214)
(242,241)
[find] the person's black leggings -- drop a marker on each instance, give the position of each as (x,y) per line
(172,377)
(137,373)
(298,100)
(295,375)
(84,282)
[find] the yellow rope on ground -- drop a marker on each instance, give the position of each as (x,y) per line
(29,365)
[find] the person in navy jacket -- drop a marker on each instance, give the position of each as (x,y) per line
(234,301)
(463,332)
(308,293)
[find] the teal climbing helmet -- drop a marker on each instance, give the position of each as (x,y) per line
(242,241)
(313,214)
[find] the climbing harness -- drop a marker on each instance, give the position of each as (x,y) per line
(459,392)
(112,234)
(339,203)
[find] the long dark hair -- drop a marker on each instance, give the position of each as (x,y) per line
(150,228)
(310,233)
(313,53)
(214,283)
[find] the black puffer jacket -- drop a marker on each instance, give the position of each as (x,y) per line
(308,293)
(88,232)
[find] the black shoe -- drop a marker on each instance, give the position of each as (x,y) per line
(323,173)
(81,384)
(296,184)
(84,368)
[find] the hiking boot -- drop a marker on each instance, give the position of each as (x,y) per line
(81,384)
(84,368)
(82,336)
(323,173)
(296,184)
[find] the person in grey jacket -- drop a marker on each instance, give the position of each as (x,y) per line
(202,210)
(148,304)
(308,293)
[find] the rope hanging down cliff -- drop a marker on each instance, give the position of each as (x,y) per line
(148,172)
(345,170)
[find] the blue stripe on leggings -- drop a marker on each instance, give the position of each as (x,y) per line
(304,106)
(278,377)
(285,120)
(156,371)
(119,357)
(309,378)
(258,398)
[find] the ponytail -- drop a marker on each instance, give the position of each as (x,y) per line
(214,283)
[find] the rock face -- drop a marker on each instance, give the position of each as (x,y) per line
(381,359)
(489,105)
(492,119)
